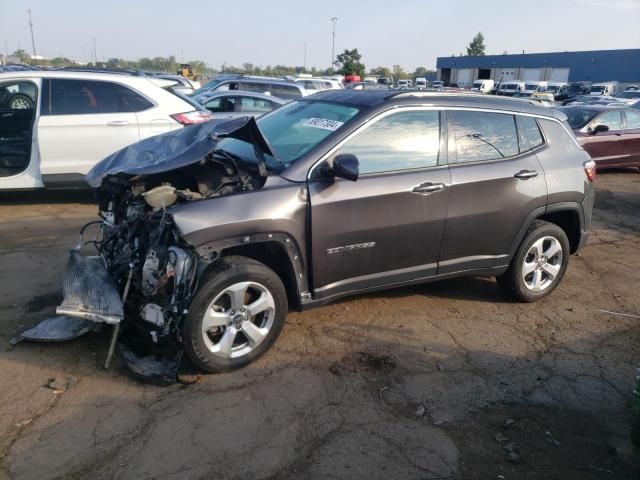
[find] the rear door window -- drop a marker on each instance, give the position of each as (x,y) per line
(249,104)
(286,92)
(481,136)
(400,141)
(82,97)
(633,120)
(222,104)
(613,120)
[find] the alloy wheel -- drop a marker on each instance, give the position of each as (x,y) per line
(542,264)
(238,319)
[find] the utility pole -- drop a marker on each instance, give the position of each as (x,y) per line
(305,58)
(33,42)
(333,42)
(95,53)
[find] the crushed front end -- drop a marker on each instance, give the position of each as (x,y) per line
(140,275)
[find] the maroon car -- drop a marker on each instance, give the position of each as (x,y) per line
(611,135)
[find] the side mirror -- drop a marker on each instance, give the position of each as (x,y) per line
(599,129)
(346,165)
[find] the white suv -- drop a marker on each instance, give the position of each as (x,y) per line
(55,125)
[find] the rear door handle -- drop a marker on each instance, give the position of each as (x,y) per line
(526,174)
(118,123)
(428,187)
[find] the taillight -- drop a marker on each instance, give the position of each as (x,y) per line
(191,118)
(590,169)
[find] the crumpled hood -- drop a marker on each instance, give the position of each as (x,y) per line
(176,149)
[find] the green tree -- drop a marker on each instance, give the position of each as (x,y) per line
(348,63)
(398,73)
(22,55)
(381,72)
(476,47)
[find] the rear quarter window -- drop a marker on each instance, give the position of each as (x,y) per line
(531,137)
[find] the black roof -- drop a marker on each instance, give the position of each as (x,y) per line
(375,98)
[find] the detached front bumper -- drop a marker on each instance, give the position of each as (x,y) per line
(89,292)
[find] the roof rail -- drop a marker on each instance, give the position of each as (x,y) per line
(118,71)
(429,93)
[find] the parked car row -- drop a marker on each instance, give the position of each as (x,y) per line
(55,125)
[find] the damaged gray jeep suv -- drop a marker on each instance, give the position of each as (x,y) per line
(210,234)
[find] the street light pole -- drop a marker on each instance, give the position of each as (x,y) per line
(305,58)
(333,42)
(33,42)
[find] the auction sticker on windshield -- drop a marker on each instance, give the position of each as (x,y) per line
(323,123)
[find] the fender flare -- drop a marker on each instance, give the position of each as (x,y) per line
(540,211)
(212,250)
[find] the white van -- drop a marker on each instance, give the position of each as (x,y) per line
(421,82)
(532,87)
(608,89)
(511,87)
(484,86)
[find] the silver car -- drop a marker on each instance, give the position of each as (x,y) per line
(233,104)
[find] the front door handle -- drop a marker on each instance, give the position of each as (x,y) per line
(428,187)
(117,123)
(526,174)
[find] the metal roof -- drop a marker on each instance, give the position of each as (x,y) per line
(593,65)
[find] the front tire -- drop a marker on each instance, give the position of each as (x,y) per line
(539,263)
(236,315)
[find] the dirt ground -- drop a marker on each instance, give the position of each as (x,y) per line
(447,380)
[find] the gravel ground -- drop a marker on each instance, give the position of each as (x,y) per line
(442,380)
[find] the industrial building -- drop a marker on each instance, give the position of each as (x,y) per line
(593,66)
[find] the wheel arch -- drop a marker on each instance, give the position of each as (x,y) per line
(567,215)
(277,251)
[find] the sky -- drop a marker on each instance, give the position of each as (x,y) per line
(409,33)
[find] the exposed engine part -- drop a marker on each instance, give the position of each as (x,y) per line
(152,313)
(151,273)
(160,197)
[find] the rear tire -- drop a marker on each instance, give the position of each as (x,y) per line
(539,263)
(236,315)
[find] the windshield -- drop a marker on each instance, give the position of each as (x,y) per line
(597,88)
(292,130)
(553,88)
(579,117)
(531,86)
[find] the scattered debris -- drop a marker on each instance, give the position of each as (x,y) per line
(58,385)
(550,438)
(511,447)
(376,362)
(151,369)
(512,457)
(601,469)
(616,313)
(56,329)
(500,438)
(508,423)
(24,423)
(380,390)
(420,411)
(440,366)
